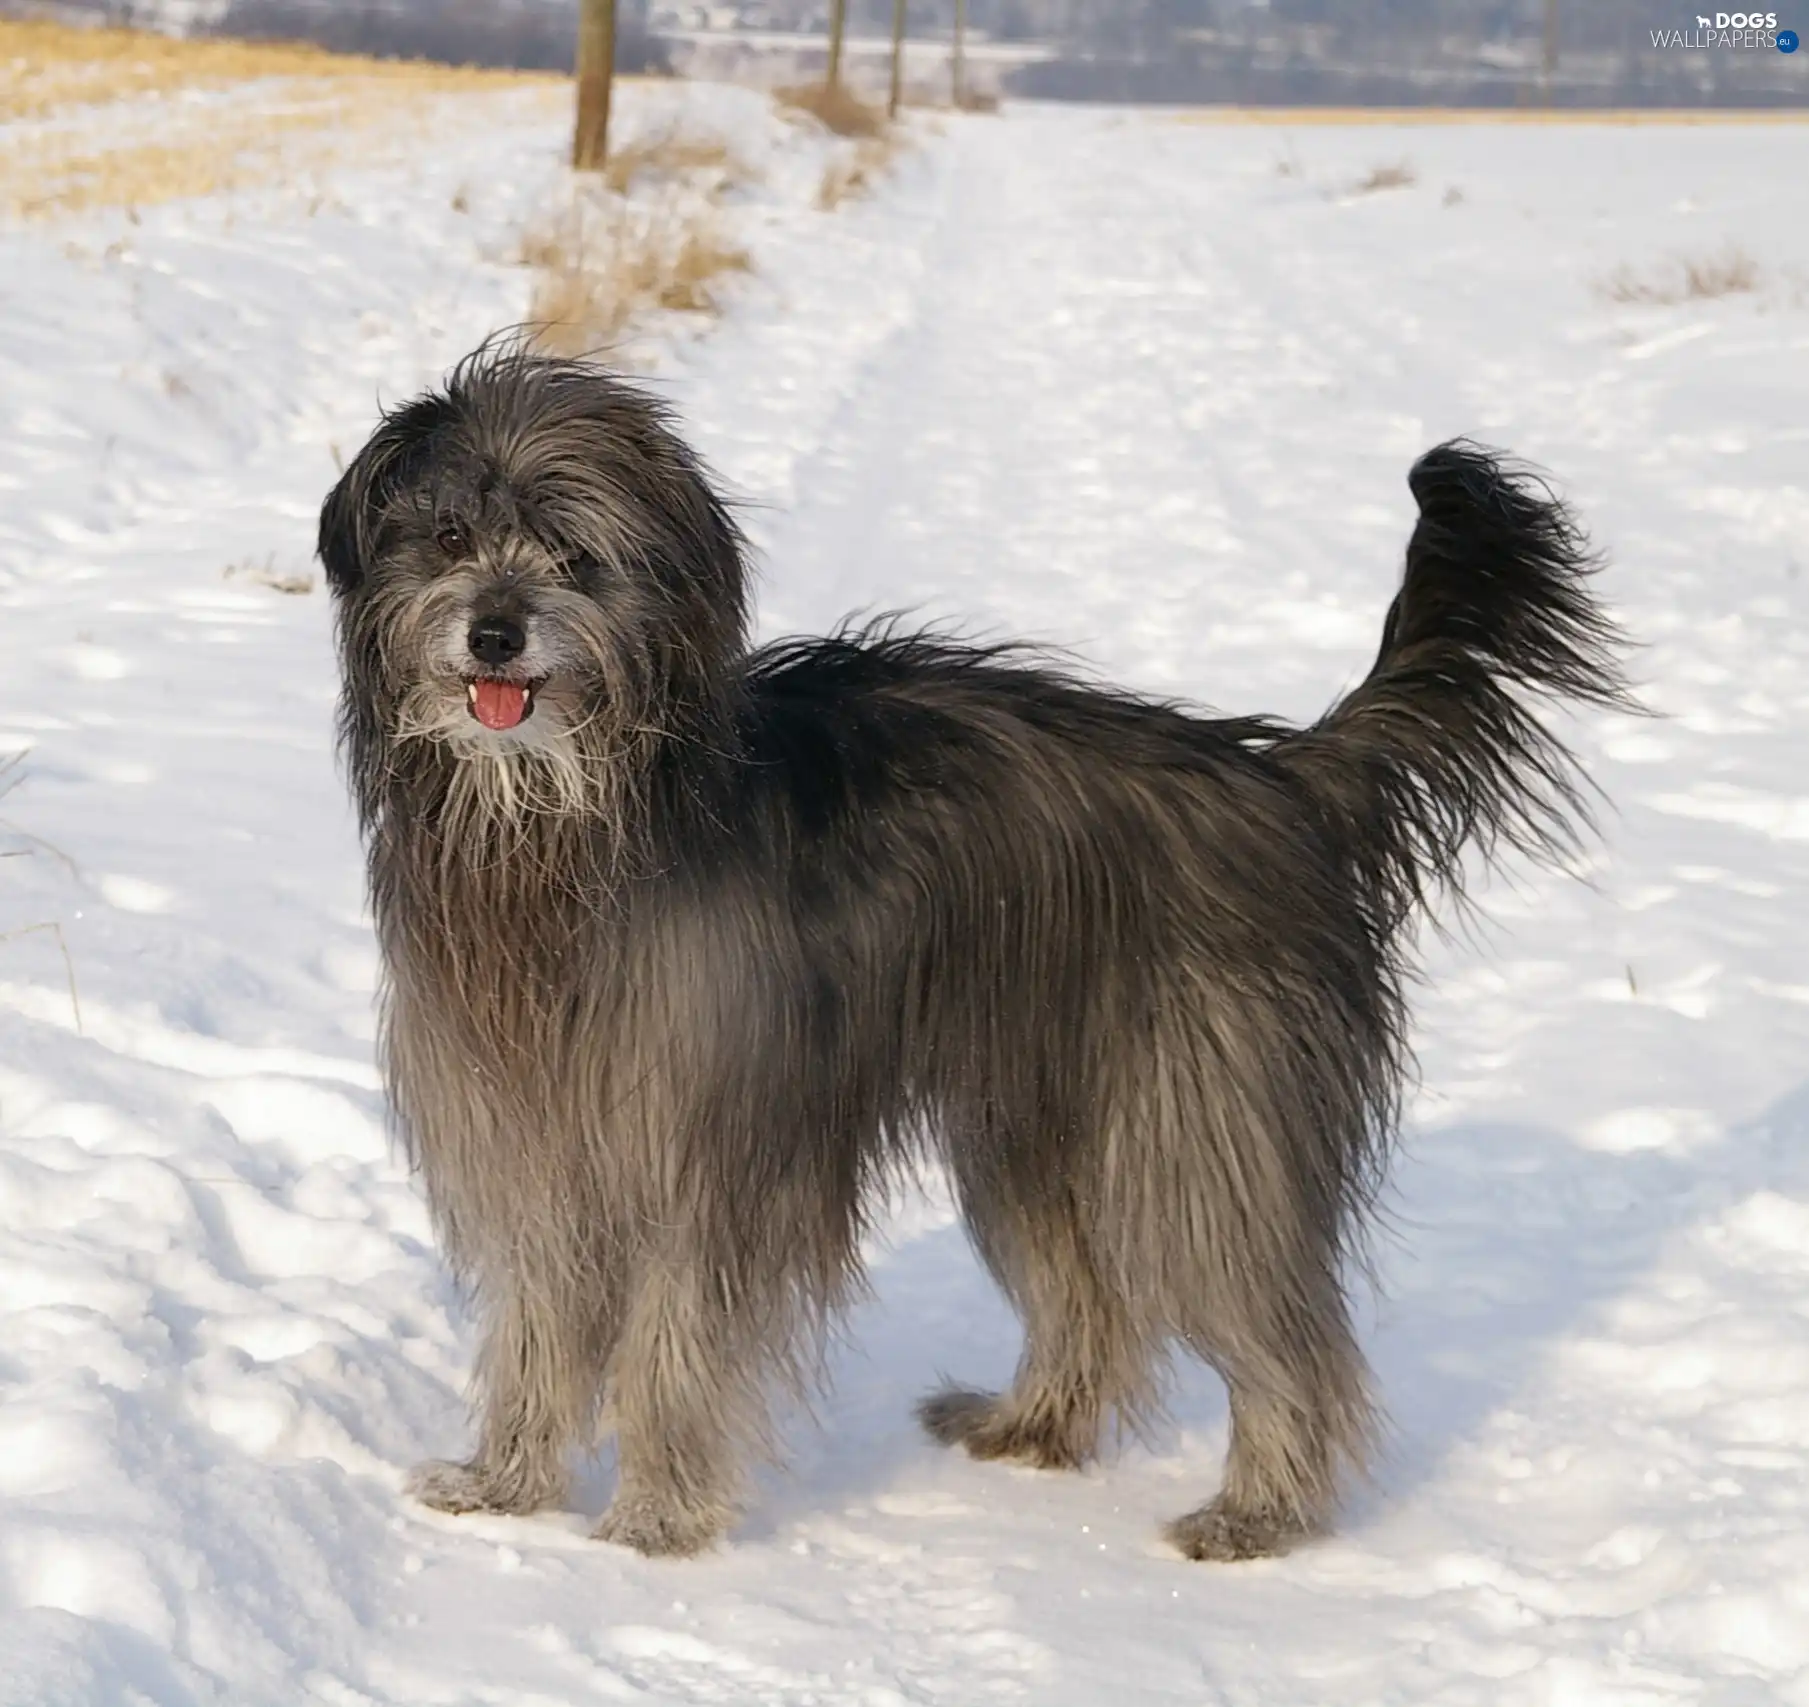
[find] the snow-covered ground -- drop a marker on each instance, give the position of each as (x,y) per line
(1118,381)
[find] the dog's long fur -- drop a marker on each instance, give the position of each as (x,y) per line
(683,969)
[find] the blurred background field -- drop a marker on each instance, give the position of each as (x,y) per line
(101,117)
(1500,54)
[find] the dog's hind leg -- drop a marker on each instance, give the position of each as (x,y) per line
(1233,1201)
(1082,1355)
(684,1393)
(537,1379)
(1300,1416)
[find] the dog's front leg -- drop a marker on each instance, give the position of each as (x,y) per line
(685,1394)
(537,1380)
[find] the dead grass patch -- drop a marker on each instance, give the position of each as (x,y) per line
(1688,279)
(675,153)
(924,98)
(68,172)
(834,106)
(854,173)
(11,770)
(266,574)
(601,262)
(1391,175)
(271,111)
(46,66)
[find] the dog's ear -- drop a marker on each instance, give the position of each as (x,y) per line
(349,517)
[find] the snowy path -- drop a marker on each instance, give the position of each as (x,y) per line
(1111,381)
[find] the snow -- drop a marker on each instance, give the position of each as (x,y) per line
(1110,380)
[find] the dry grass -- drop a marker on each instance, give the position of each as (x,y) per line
(854,173)
(834,106)
(197,155)
(191,118)
(11,770)
(675,153)
(1393,175)
(45,67)
(1725,275)
(1701,278)
(601,262)
(266,574)
(932,98)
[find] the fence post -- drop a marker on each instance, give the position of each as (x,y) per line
(898,36)
(957,71)
(838,18)
(596,72)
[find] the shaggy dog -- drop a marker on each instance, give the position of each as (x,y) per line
(693,949)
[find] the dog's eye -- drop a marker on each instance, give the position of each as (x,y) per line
(450,539)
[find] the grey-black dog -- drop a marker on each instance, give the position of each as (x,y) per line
(692,949)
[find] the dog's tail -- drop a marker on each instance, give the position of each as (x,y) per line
(1440,748)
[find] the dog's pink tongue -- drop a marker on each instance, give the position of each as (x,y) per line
(499,705)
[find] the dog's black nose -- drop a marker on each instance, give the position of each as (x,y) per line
(496,639)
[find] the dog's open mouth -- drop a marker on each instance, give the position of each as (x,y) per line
(499,705)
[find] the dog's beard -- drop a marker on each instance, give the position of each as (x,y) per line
(544,767)
(567,765)
(540,742)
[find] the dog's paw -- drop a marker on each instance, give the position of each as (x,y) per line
(1225,1535)
(659,1531)
(953,1416)
(987,1429)
(460,1488)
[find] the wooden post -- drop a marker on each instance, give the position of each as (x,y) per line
(898,34)
(838,19)
(596,72)
(957,71)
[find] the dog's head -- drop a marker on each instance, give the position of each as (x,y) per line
(533,575)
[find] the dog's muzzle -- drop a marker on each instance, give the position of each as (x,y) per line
(494,700)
